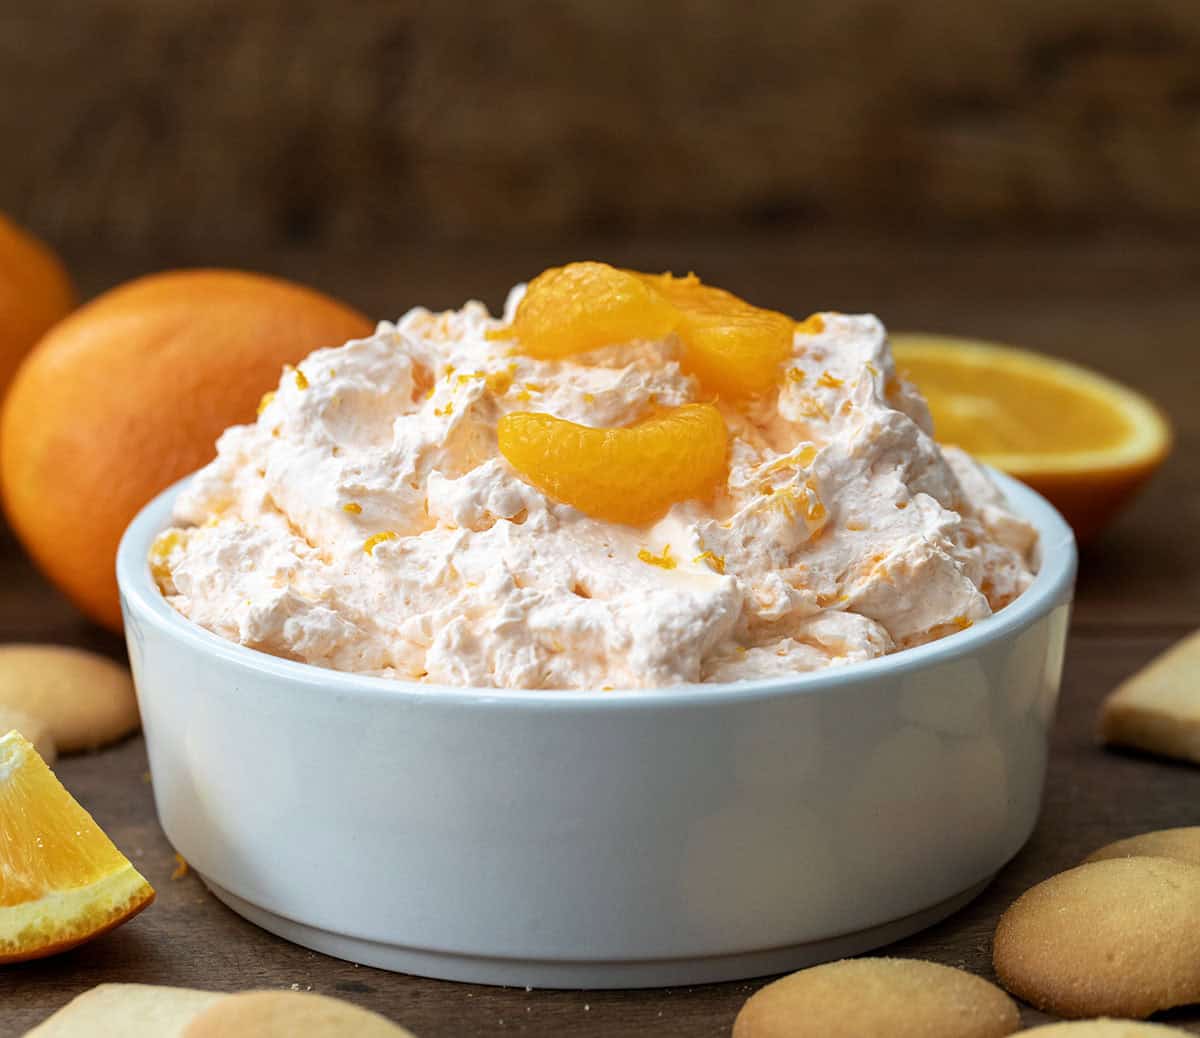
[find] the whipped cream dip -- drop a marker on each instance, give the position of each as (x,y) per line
(367,521)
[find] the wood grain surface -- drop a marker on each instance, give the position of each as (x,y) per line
(1127,307)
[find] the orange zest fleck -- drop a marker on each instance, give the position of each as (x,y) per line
(664,561)
(962,622)
(444,412)
(353,507)
(814,510)
(265,402)
(829,379)
(800,459)
(827,600)
(804,502)
(301,379)
(813,408)
(498,382)
(161,550)
(181,867)
(372,542)
(715,562)
(165,543)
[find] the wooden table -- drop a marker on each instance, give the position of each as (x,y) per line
(1126,307)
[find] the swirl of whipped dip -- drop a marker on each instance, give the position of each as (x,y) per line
(367,521)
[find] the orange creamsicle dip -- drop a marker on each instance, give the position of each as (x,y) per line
(627,481)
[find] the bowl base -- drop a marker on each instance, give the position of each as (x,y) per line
(565,973)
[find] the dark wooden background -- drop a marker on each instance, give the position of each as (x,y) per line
(390,124)
(1024,170)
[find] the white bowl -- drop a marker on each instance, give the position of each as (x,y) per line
(601,839)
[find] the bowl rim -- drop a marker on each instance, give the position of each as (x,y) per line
(1053,582)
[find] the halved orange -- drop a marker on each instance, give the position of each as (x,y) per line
(1084,441)
(62,881)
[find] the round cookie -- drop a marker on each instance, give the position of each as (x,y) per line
(1105,1028)
(282,1014)
(125,1011)
(1181,844)
(863,998)
(34,729)
(86,700)
(1119,937)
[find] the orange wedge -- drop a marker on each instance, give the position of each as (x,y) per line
(1083,441)
(62,882)
(625,475)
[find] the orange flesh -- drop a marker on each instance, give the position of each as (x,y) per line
(735,349)
(994,411)
(47,842)
(628,475)
(584,306)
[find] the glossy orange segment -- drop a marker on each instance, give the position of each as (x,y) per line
(626,475)
(734,348)
(129,393)
(584,306)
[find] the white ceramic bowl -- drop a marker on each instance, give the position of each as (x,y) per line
(601,839)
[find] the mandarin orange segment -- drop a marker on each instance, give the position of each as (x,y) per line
(62,881)
(735,349)
(584,306)
(627,475)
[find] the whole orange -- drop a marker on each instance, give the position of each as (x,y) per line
(129,393)
(35,291)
